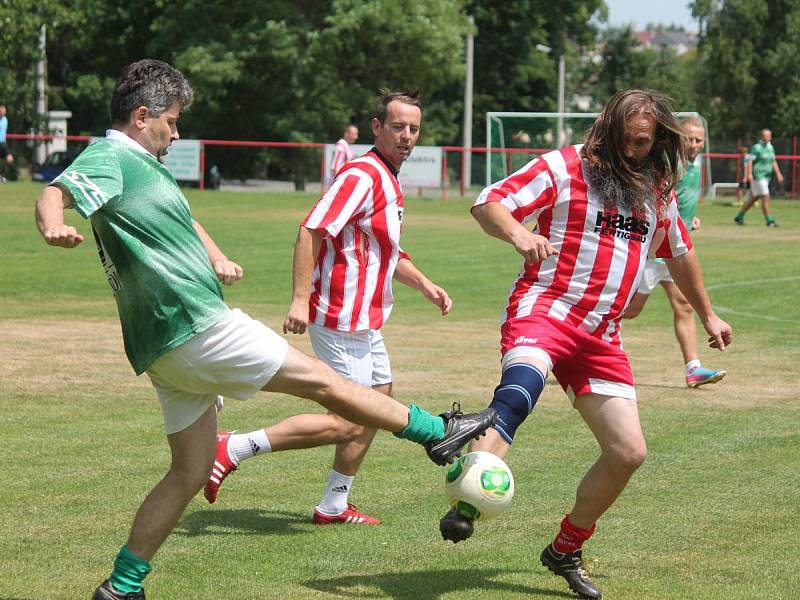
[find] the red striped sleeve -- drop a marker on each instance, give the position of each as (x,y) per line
(677,240)
(511,191)
(330,210)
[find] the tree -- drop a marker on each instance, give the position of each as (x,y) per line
(751,73)
(625,63)
(511,74)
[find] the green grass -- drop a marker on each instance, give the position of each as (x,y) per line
(713,513)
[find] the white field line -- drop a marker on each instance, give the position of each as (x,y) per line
(725,309)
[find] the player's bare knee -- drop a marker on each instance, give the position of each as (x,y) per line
(346,431)
(629,457)
(191,476)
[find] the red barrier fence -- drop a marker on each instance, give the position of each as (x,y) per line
(722,169)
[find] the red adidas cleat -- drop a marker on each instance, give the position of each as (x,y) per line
(223,466)
(349,515)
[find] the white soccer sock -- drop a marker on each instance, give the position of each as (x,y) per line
(692,365)
(245,445)
(334,502)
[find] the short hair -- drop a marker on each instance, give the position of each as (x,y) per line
(350,126)
(150,83)
(387,96)
(605,140)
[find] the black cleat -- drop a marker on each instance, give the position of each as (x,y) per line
(455,527)
(106,591)
(570,567)
(458,430)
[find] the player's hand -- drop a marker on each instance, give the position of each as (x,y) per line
(296,320)
(228,272)
(780,177)
(534,247)
(695,223)
(64,236)
(720,334)
(439,297)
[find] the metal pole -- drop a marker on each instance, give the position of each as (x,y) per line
(40,152)
(466,155)
(561,77)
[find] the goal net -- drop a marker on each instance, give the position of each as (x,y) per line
(514,138)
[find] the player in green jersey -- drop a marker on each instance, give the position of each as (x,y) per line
(758,172)
(165,272)
(655,271)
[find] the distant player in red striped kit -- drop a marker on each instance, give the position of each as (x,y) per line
(343,150)
(600,208)
(346,255)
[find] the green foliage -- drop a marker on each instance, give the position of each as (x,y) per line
(625,63)
(511,74)
(750,72)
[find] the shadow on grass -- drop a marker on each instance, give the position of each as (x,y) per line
(429,585)
(245,521)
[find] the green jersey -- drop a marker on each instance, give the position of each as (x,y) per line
(688,190)
(154,260)
(763,157)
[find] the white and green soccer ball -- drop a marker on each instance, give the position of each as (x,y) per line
(479,485)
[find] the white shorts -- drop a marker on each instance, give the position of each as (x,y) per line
(236,358)
(654,273)
(359,356)
(759,187)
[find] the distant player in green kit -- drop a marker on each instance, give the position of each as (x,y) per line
(165,272)
(758,172)
(655,271)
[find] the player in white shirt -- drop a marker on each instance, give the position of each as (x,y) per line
(346,256)
(599,209)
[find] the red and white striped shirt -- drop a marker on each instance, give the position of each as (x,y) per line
(342,153)
(361,215)
(601,252)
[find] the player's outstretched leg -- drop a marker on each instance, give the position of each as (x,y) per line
(569,565)
(458,430)
(514,399)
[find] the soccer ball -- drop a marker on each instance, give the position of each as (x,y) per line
(479,485)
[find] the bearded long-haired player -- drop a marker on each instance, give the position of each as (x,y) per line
(600,208)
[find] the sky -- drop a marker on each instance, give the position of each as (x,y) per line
(641,12)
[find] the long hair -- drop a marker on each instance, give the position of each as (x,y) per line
(605,142)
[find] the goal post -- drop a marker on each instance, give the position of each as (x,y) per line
(514,138)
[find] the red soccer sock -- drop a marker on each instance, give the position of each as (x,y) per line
(571,538)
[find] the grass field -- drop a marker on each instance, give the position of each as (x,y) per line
(713,512)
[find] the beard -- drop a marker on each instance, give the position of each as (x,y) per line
(618,193)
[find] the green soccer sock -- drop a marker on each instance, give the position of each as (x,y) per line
(770,220)
(739,216)
(423,427)
(129,571)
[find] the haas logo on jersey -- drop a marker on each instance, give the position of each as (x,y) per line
(629,228)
